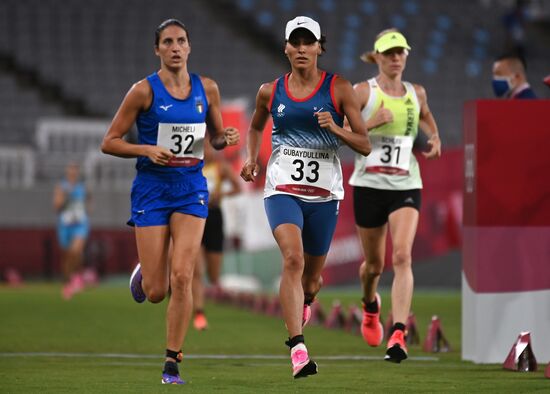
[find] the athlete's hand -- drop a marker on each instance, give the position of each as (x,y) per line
(326,121)
(382,116)
(250,171)
(231,135)
(435,148)
(159,154)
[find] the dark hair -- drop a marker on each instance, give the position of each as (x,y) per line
(165,24)
(321,40)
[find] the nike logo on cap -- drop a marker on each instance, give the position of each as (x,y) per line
(300,23)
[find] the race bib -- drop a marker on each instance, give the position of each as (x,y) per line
(306,172)
(74,213)
(184,140)
(390,155)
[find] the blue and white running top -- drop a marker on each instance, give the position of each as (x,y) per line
(74,209)
(304,161)
(176,124)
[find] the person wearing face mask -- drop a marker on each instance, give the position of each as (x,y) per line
(387,185)
(304,183)
(509,79)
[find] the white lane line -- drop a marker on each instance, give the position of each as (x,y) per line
(203,356)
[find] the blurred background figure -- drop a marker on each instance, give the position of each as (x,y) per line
(510,80)
(71,202)
(218,174)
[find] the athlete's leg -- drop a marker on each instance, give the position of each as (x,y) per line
(213,266)
(76,254)
(373,242)
(291,293)
(403,223)
(198,287)
(64,240)
(186,231)
(312,281)
(319,225)
(152,245)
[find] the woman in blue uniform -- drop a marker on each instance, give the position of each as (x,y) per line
(172,109)
(304,177)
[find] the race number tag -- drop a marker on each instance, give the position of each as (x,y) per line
(185,141)
(390,154)
(306,172)
(74,213)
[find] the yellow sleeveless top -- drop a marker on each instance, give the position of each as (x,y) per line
(391,165)
(212,173)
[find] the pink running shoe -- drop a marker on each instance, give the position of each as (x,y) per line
(371,328)
(77,282)
(67,291)
(75,285)
(199,322)
(397,348)
(302,366)
(306,316)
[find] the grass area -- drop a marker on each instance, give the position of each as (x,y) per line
(105,321)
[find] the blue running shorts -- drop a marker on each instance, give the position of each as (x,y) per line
(66,233)
(155,198)
(317,220)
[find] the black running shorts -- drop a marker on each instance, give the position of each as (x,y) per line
(213,236)
(372,207)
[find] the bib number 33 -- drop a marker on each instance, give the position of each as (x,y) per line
(305,171)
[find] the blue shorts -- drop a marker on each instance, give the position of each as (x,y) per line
(317,220)
(155,198)
(66,233)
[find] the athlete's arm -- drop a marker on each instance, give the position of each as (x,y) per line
(362,90)
(59,198)
(428,125)
(347,100)
(381,116)
(219,137)
(138,99)
(259,119)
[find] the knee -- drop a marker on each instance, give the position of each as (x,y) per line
(293,261)
(155,294)
(181,279)
(401,259)
(371,268)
